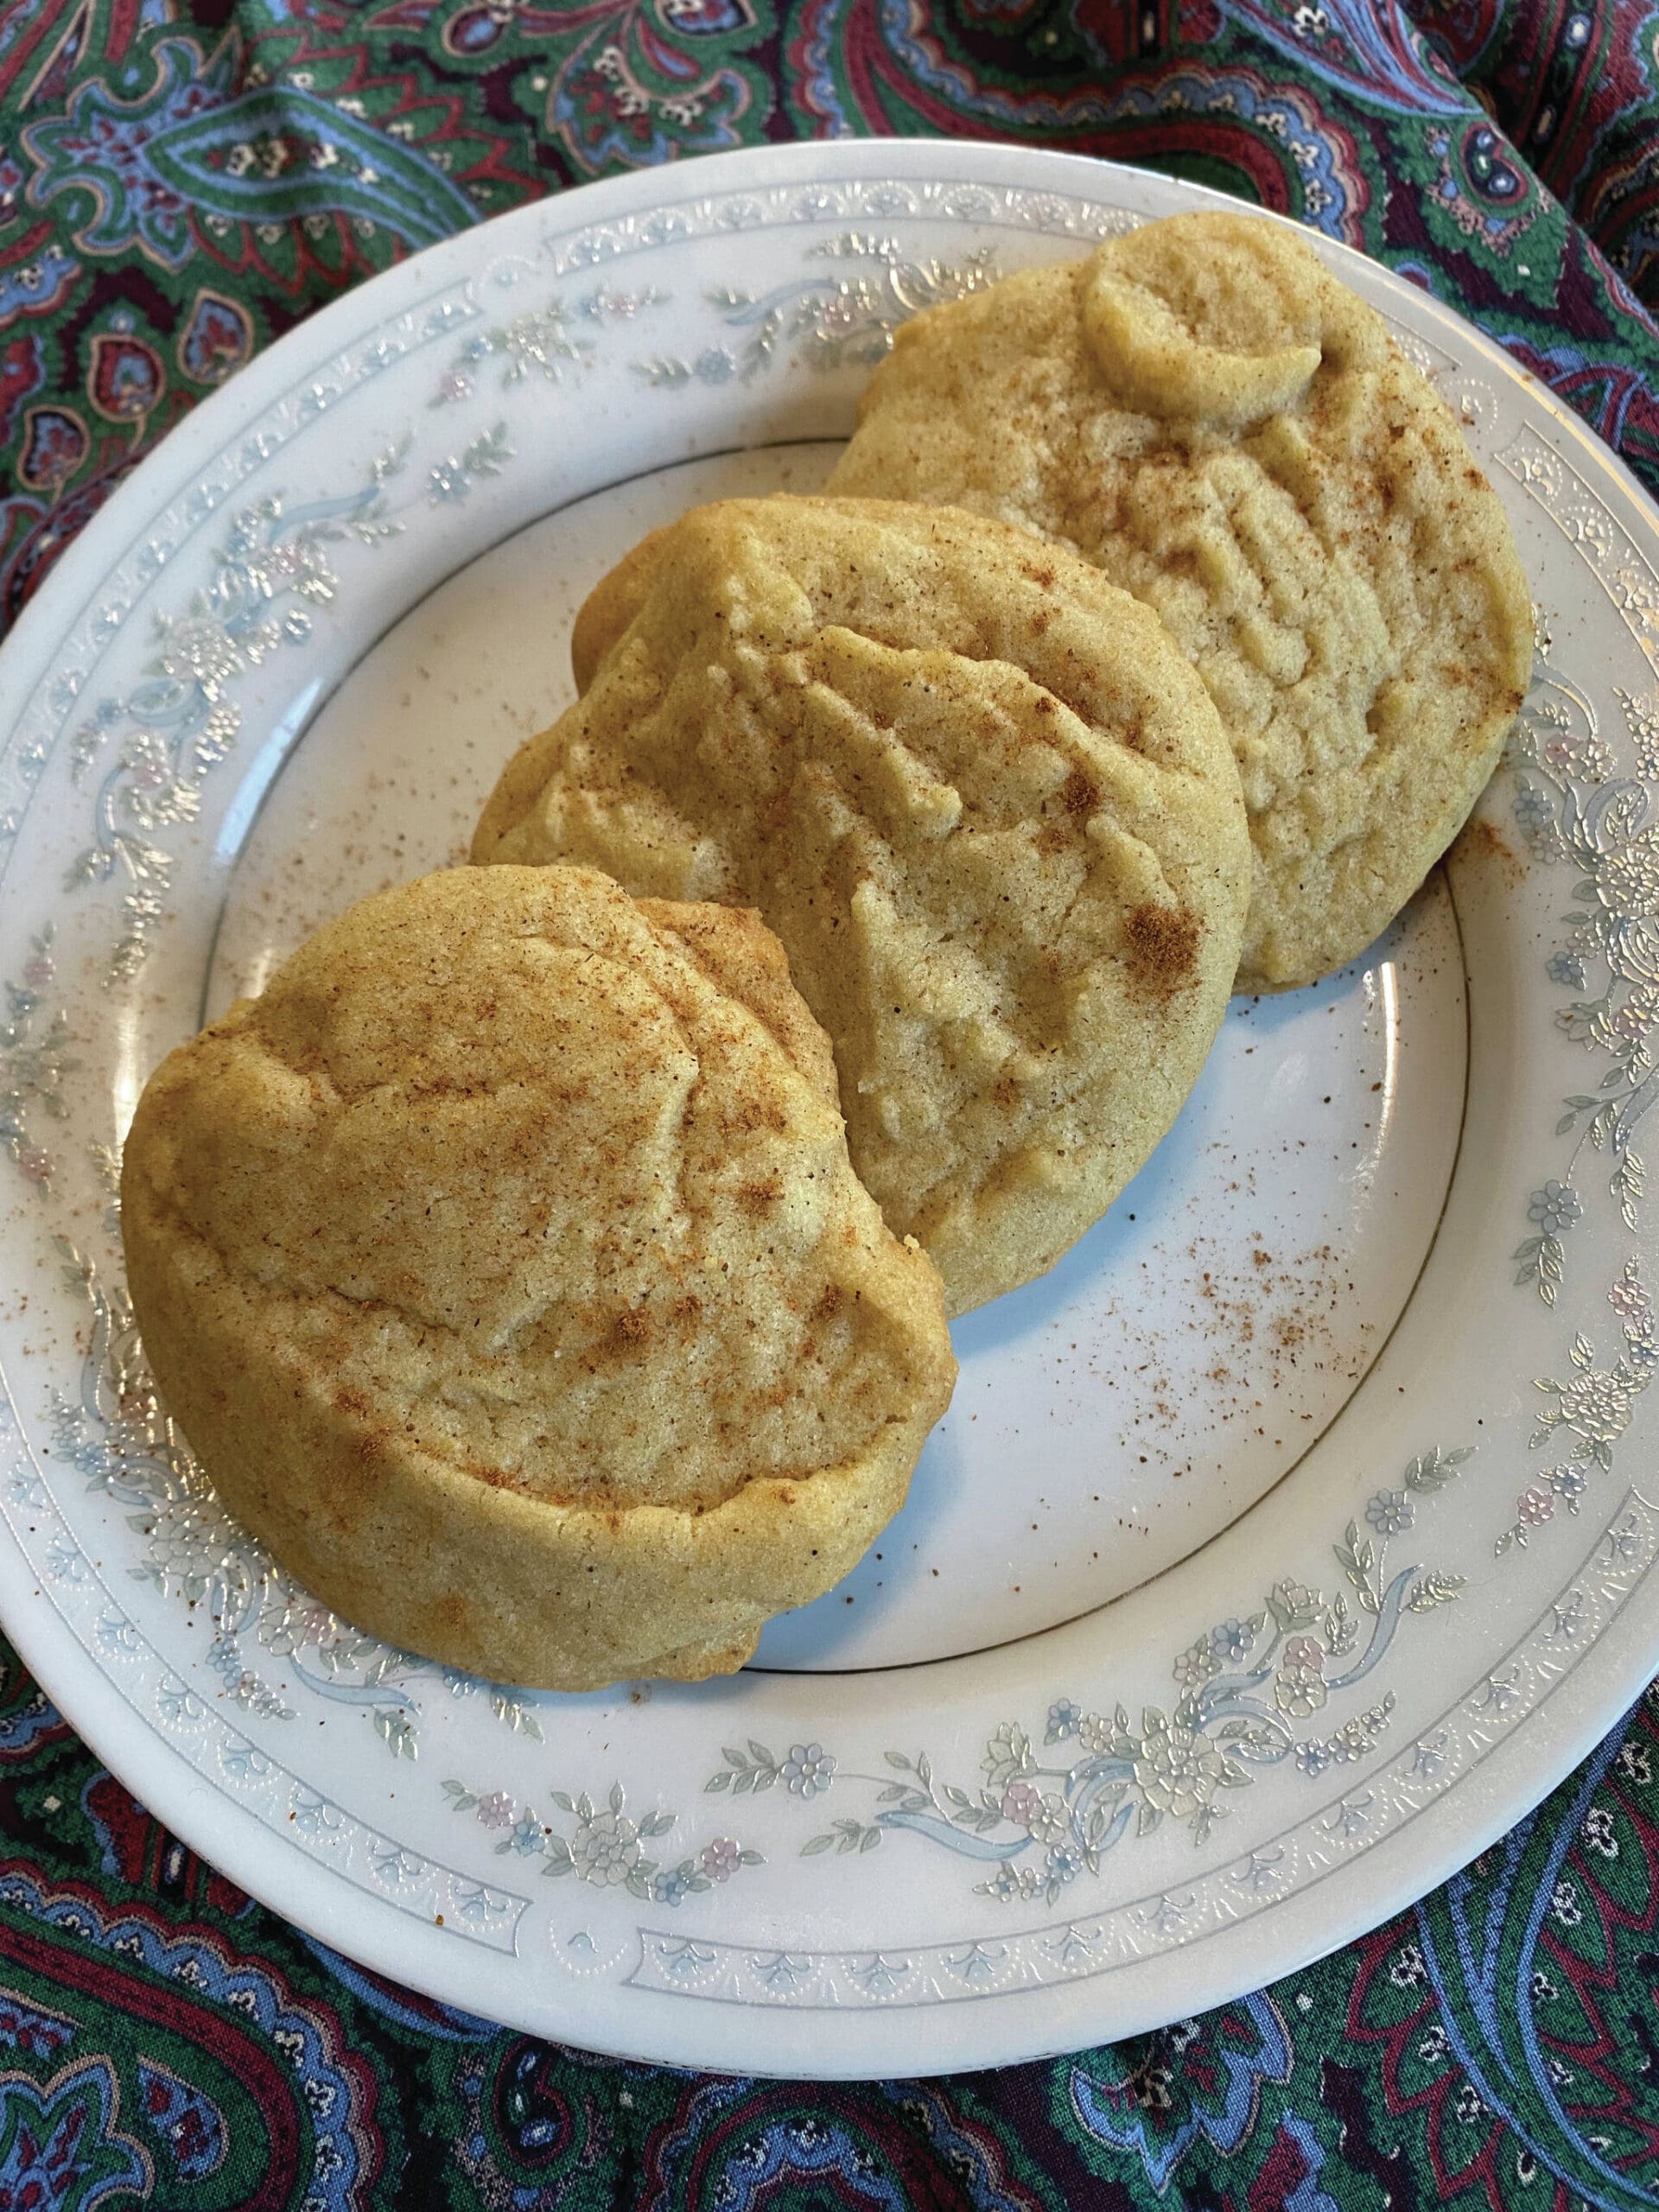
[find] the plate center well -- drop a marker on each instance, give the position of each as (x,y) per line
(1108,1419)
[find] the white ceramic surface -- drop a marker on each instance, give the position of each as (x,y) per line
(1355,1369)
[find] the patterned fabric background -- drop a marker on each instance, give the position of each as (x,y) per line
(178,184)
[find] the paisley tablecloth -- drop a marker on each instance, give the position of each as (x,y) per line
(178,185)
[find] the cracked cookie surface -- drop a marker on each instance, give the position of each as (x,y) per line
(981,797)
(1207,414)
(504,1265)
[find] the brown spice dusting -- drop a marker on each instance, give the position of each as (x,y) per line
(634,1327)
(1163,947)
(747,1115)
(829,1304)
(1480,840)
(1080,794)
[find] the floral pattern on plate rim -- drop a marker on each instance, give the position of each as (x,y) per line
(603,1846)
(1243,1683)
(829,320)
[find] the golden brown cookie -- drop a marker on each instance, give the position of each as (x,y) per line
(983,801)
(1228,432)
(504,1265)
(612,605)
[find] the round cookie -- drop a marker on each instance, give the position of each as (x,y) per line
(983,801)
(504,1266)
(1228,432)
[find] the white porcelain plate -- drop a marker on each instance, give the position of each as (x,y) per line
(1279,1549)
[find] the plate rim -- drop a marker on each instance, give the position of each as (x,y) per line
(186,1800)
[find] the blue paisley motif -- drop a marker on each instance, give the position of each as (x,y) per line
(1119,2109)
(1369,52)
(28,2028)
(1307,2195)
(601,131)
(1333,192)
(39,287)
(730,2145)
(316,161)
(422,2015)
(1477,1973)
(194,1956)
(189,2124)
(709,18)
(26,1724)
(798,2151)
(819,47)
(970,2155)
(105,146)
(60,2143)
(273,153)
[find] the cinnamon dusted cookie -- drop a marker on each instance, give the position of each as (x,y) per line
(984,803)
(1228,432)
(504,1266)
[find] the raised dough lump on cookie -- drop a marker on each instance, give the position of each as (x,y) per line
(1207,414)
(504,1265)
(984,803)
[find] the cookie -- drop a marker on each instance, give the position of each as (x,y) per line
(612,605)
(986,805)
(1205,413)
(503,1264)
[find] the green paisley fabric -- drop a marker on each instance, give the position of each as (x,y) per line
(178,185)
